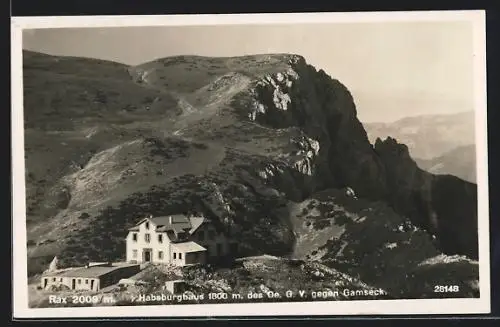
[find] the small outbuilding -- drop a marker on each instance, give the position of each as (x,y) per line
(188,253)
(90,277)
(176,286)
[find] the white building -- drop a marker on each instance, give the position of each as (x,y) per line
(177,240)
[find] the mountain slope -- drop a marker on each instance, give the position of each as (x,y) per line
(243,140)
(428,136)
(369,240)
(460,162)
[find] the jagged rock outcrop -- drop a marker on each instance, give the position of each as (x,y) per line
(444,205)
(324,109)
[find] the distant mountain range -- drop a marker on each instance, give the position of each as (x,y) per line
(440,144)
(460,162)
(427,136)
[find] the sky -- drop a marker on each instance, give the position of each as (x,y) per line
(393,69)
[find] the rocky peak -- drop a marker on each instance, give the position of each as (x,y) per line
(295,59)
(323,108)
(391,148)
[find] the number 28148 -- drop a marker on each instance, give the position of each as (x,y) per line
(446,288)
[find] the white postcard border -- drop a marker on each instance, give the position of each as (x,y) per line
(372,307)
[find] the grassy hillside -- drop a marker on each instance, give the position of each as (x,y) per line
(74,66)
(187,74)
(75,93)
(103,149)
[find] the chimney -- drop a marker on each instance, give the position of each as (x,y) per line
(170,220)
(150,216)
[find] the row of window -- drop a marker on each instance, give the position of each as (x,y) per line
(160,255)
(201,236)
(218,250)
(134,254)
(147,238)
(79,281)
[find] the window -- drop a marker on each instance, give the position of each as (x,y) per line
(147,225)
(134,253)
(54,279)
(175,255)
(219,248)
(134,237)
(60,279)
(79,281)
(160,255)
(211,235)
(201,237)
(86,281)
(180,255)
(147,238)
(160,238)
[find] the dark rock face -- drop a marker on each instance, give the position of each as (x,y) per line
(455,204)
(443,204)
(324,109)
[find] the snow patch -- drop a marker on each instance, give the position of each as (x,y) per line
(390,245)
(443,258)
(186,107)
(91,132)
(360,220)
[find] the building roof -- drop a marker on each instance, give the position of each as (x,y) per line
(177,223)
(91,272)
(179,220)
(196,222)
(187,247)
